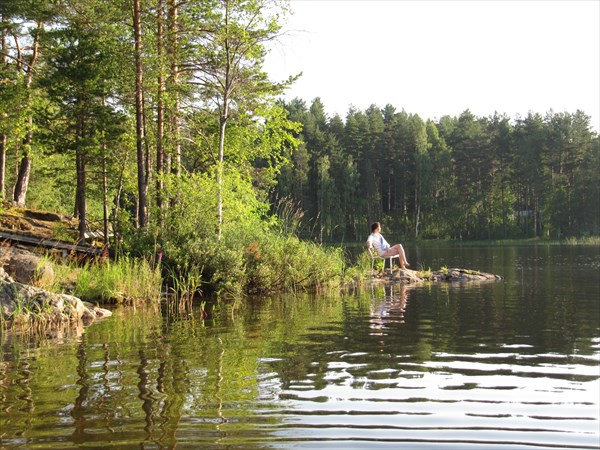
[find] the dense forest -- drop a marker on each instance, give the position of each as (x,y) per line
(103,93)
(154,121)
(461,177)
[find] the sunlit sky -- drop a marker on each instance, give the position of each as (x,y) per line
(437,58)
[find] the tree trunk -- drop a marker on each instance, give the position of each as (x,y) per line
(160,150)
(3,137)
(22,182)
(20,192)
(417,197)
(80,193)
(175,124)
(3,142)
(417,219)
(142,210)
(222,125)
(105,194)
(115,224)
(220,176)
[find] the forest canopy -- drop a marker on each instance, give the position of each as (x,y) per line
(463,177)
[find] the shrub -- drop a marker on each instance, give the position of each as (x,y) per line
(252,256)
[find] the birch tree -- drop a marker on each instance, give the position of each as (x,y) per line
(229,68)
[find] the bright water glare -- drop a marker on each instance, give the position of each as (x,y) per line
(510,364)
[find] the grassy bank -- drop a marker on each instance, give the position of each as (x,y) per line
(125,280)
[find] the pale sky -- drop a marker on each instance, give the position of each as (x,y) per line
(437,58)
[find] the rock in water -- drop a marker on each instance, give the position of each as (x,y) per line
(22,300)
(452,275)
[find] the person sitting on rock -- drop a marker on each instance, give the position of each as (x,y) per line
(377,241)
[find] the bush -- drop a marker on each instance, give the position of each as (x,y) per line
(251,256)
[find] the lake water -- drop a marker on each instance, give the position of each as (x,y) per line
(509,364)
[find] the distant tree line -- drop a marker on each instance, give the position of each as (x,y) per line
(463,177)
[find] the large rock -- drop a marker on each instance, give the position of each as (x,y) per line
(25,267)
(463,275)
(408,276)
(20,301)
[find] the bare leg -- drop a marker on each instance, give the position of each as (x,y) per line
(398,250)
(403,261)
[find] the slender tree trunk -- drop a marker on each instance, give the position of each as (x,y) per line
(223,124)
(80,194)
(389,195)
(3,143)
(417,219)
(81,201)
(3,137)
(22,182)
(417,196)
(142,209)
(105,193)
(175,122)
(20,191)
(503,209)
(116,238)
(160,150)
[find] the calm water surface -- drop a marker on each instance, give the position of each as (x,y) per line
(510,364)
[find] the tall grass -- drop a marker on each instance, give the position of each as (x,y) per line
(272,262)
(125,280)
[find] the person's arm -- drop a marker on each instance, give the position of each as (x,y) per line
(370,241)
(385,245)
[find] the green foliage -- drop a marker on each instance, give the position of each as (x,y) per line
(252,256)
(285,262)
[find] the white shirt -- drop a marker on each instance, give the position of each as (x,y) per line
(378,242)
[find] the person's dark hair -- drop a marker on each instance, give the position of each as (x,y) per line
(374,226)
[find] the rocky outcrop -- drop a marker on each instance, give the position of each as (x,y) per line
(25,267)
(22,302)
(462,275)
(450,275)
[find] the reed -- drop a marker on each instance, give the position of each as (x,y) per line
(184,287)
(125,280)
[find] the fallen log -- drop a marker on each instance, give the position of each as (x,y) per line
(51,243)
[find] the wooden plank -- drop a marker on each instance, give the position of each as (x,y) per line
(50,243)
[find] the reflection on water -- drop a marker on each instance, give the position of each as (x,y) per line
(389,310)
(513,364)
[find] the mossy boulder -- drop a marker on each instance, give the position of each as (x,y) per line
(21,302)
(26,267)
